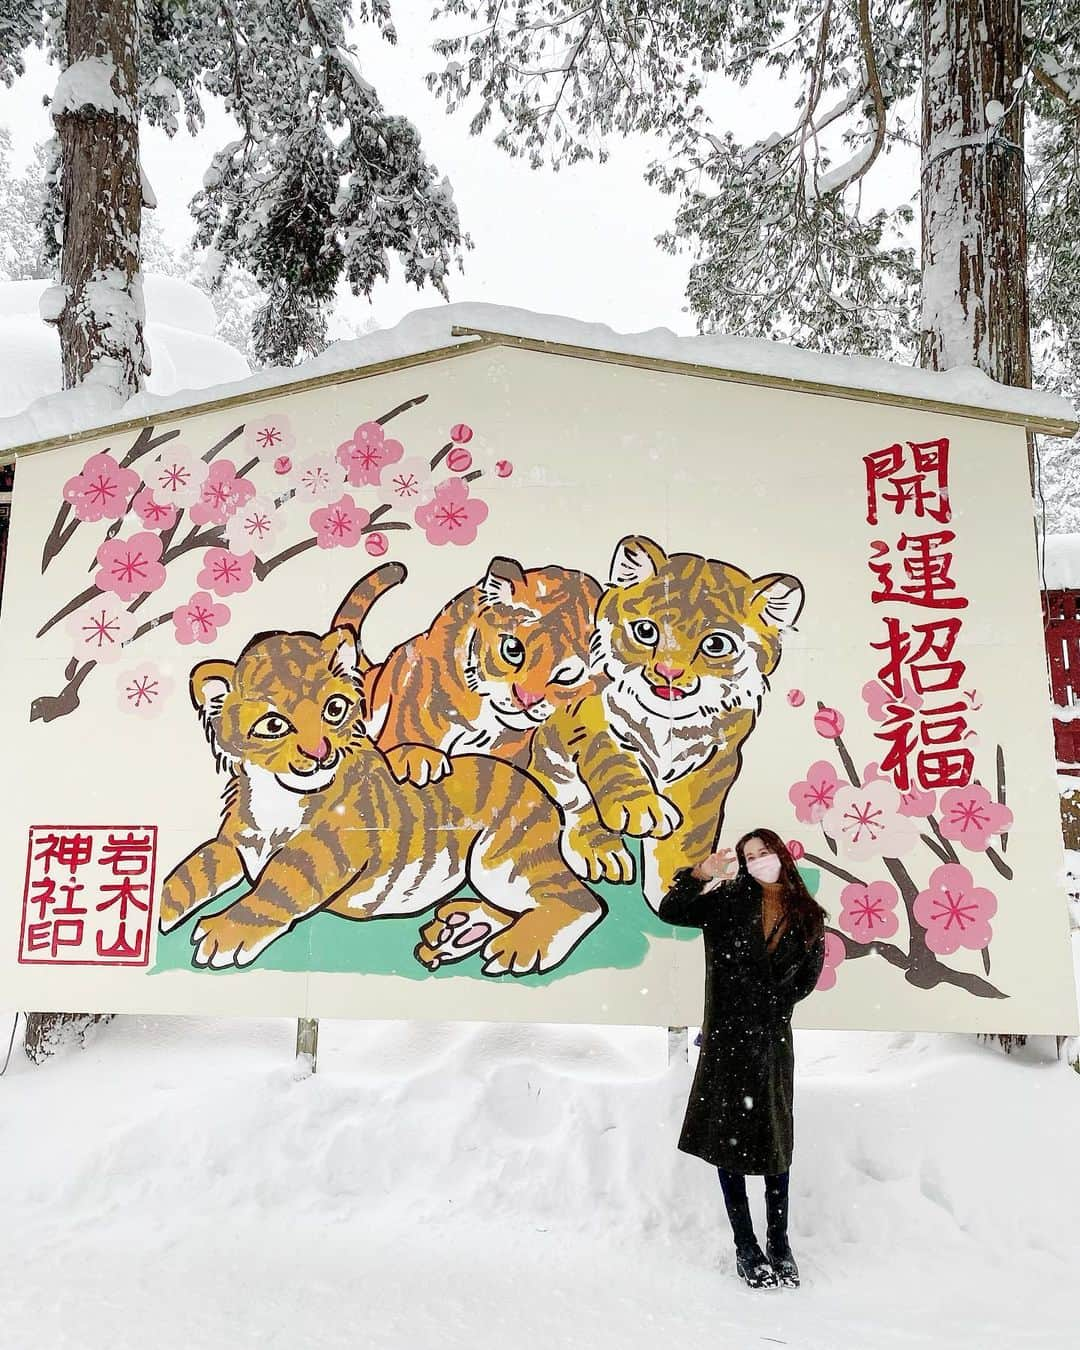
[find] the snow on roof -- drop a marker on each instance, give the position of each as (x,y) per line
(81,410)
(1063,562)
(179,335)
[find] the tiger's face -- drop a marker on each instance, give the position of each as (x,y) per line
(290,707)
(528,649)
(688,637)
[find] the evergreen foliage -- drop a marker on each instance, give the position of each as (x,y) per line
(321,183)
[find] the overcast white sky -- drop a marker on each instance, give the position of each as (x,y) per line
(580,242)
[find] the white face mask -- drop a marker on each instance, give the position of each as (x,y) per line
(765,869)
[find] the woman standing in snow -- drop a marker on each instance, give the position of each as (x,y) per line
(764,950)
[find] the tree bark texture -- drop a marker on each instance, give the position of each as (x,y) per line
(101,323)
(974,226)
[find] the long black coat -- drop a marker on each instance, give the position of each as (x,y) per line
(739,1115)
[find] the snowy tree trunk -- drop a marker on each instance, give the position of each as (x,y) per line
(974,227)
(99,306)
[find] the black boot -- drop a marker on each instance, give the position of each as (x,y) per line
(750,1260)
(776,1240)
(754,1268)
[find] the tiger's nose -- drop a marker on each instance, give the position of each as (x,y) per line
(319,753)
(526,698)
(669,673)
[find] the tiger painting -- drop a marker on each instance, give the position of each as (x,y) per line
(686,645)
(494,665)
(315,819)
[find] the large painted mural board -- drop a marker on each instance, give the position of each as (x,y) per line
(406,695)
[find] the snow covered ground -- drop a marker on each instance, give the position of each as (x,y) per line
(179,1184)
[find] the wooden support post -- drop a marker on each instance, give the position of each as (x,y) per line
(307,1040)
(678,1050)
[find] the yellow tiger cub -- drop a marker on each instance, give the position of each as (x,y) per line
(494,665)
(687,645)
(315,819)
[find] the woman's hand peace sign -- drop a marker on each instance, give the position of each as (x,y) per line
(719,866)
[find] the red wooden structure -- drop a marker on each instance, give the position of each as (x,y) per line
(1062,625)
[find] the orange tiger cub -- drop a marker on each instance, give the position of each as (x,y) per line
(315,820)
(686,645)
(495,664)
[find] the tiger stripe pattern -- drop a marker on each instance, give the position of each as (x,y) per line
(495,664)
(315,819)
(685,646)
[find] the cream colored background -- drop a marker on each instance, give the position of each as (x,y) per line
(768,480)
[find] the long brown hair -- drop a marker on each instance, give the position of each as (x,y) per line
(801,906)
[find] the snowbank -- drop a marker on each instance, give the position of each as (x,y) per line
(179,333)
(438,1186)
(427,329)
(1063,562)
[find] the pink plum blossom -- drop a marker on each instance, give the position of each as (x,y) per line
(128,567)
(226,573)
(340,524)
(154,515)
(970,816)
(866,822)
(453,516)
(101,490)
(269,435)
(178,475)
(913,802)
(319,478)
(834,954)
(813,795)
(407,484)
(829,722)
(222,494)
(199,619)
(867,910)
(879,699)
(376,543)
(954,911)
(143,690)
(255,527)
(99,629)
(366,455)
(795,848)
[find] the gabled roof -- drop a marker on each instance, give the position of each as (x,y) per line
(451,330)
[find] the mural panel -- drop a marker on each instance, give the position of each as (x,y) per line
(408,695)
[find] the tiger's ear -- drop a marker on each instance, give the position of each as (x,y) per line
(784,598)
(636,559)
(348,662)
(503,578)
(345,656)
(210,682)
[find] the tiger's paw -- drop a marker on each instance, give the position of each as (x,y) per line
(458,929)
(418,764)
(222,940)
(538,940)
(596,854)
(174,908)
(642,814)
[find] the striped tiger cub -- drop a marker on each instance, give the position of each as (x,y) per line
(493,666)
(315,819)
(687,644)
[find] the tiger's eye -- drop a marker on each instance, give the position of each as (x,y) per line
(512,650)
(646,632)
(719,644)
(337,706)
(271,727)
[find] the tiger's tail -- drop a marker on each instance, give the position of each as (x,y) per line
(353,610)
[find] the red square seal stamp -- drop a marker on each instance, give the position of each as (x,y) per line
(89,895)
